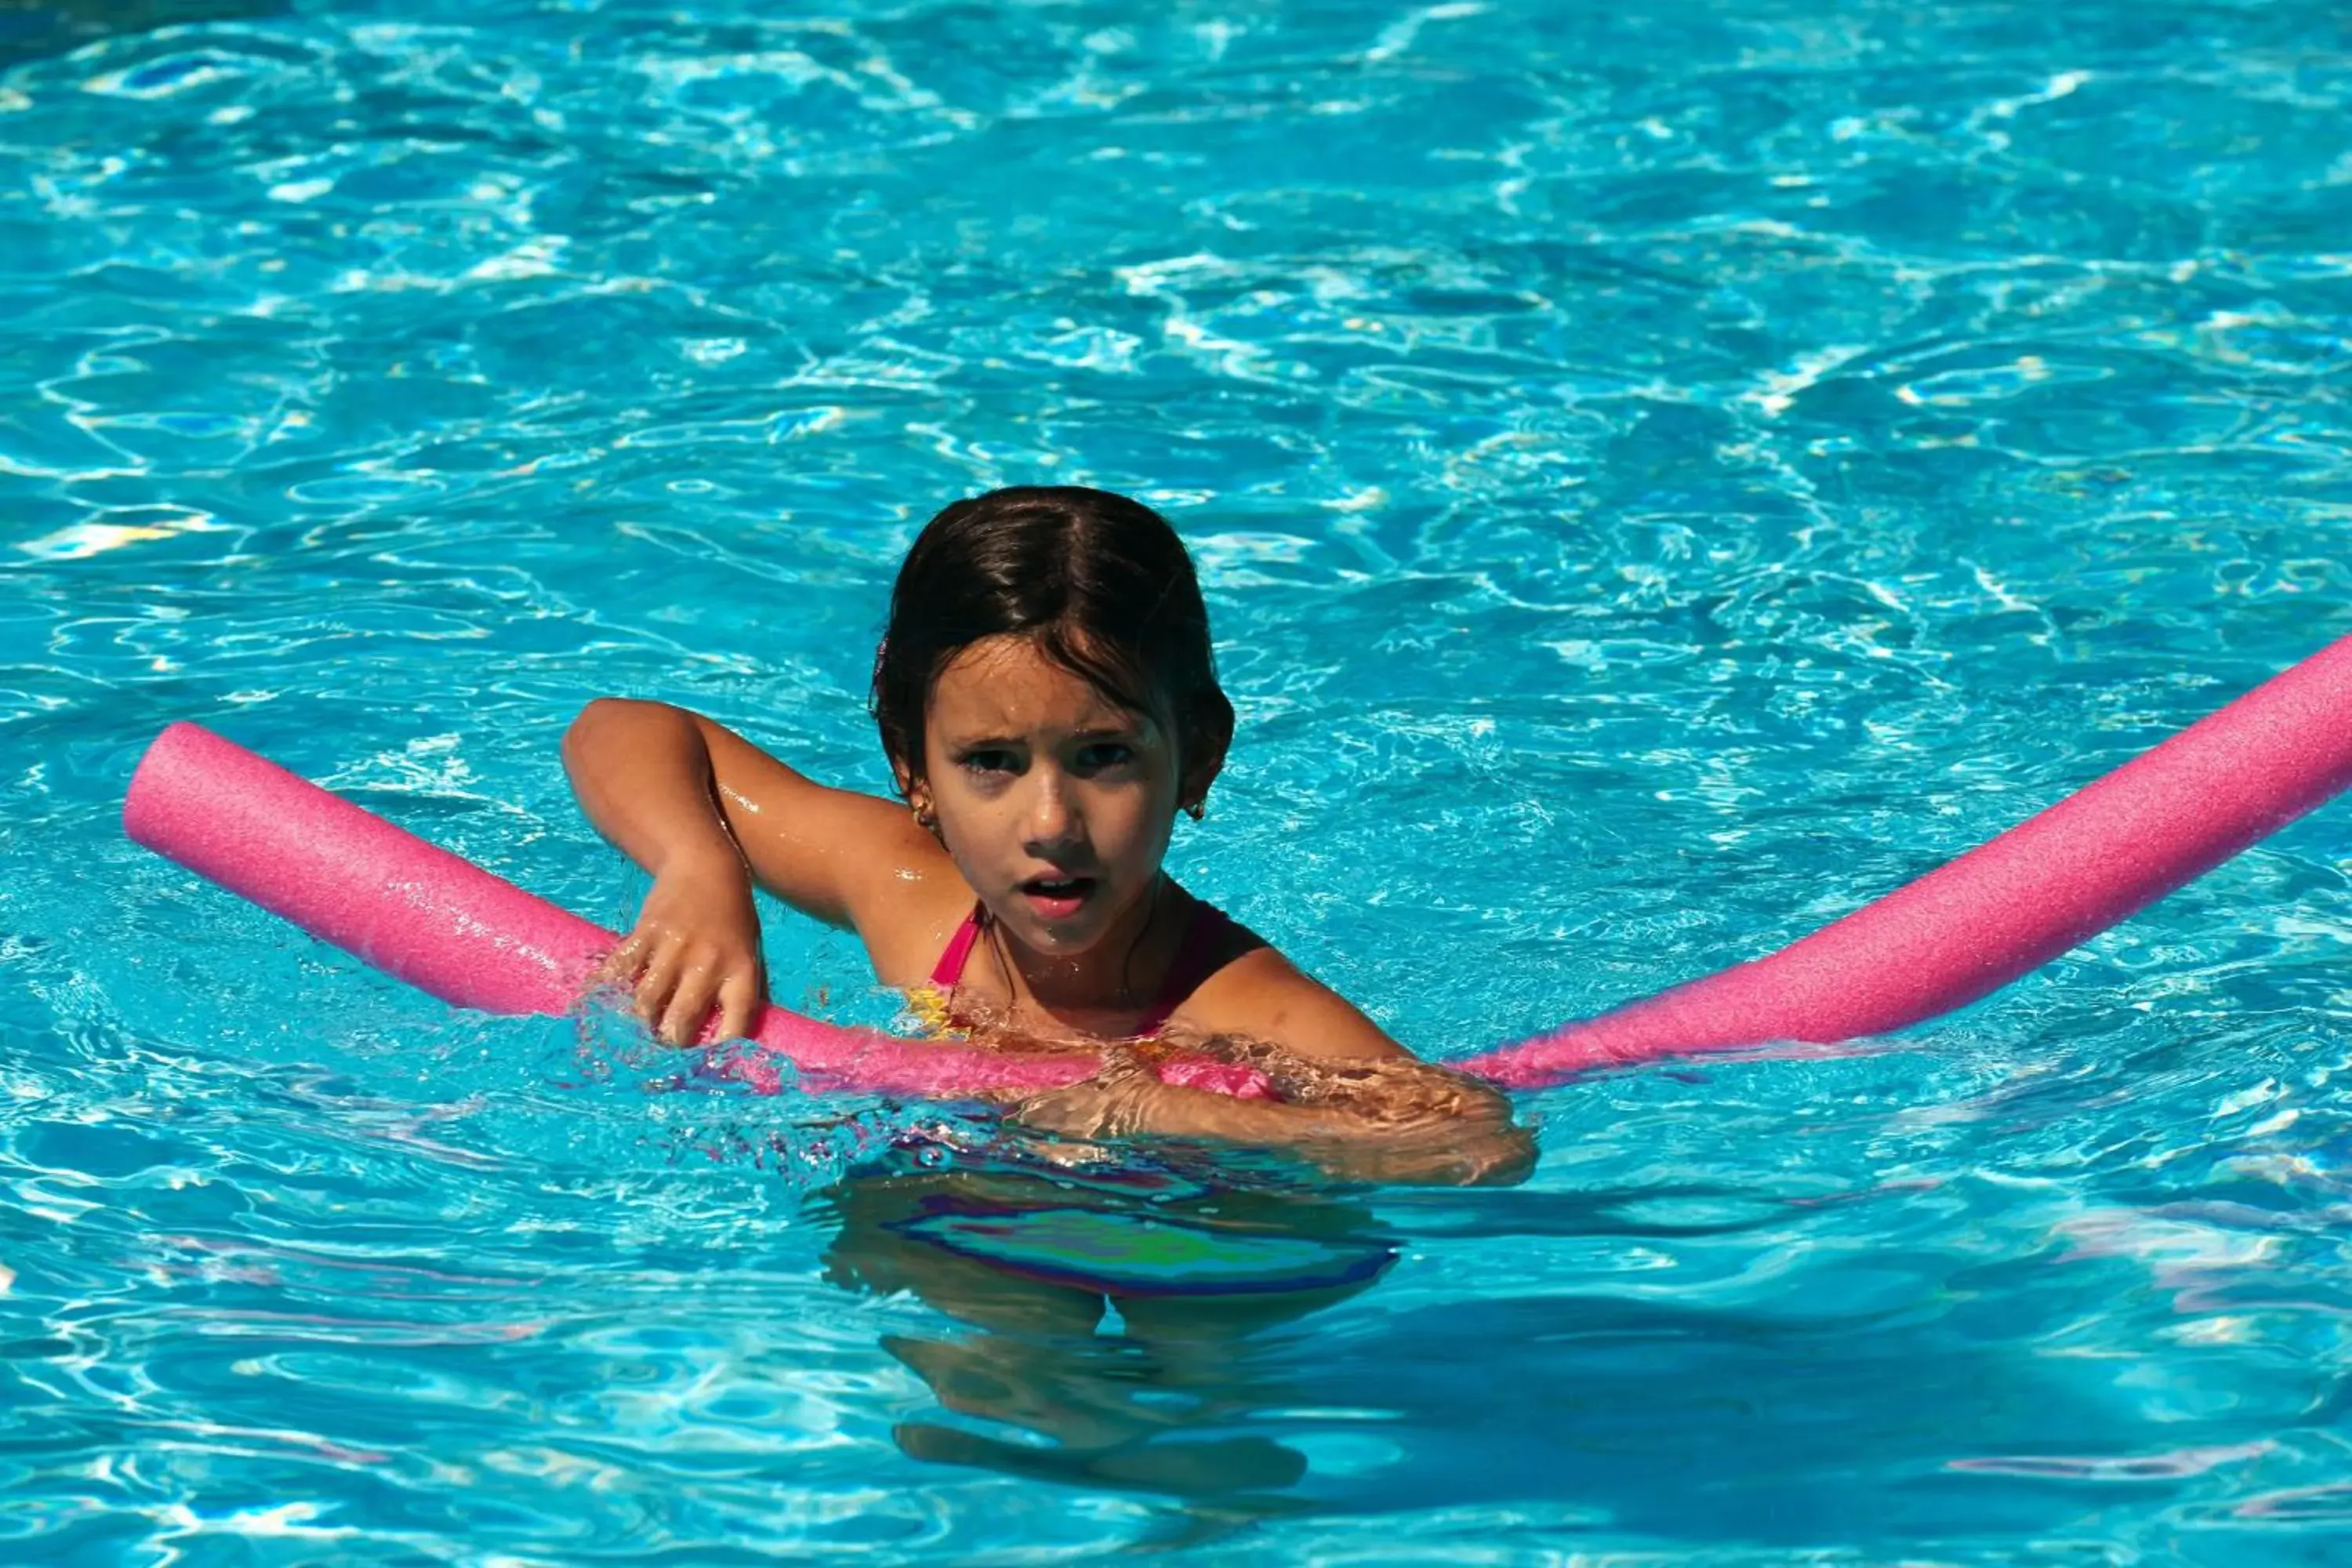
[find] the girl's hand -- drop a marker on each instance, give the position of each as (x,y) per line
(697,942)
(1118,1099)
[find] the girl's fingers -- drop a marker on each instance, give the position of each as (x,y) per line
(738,1004)
(681,1021)
(673,989)
(621,965)
(654,983)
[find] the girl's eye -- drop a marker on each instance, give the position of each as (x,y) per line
(990,761)
(1104,754)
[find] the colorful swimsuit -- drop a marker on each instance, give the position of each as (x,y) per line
(1194,960)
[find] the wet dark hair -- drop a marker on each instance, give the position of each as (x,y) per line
(1099,584)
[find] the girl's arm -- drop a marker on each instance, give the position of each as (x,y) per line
(1394,1120)
(1354,1101)
(708,814)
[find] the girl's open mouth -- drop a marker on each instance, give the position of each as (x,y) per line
(1058,897)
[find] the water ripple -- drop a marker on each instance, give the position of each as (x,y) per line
(1719,461)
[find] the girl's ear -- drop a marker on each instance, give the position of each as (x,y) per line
(1204,759)
(914,789)
(918,800)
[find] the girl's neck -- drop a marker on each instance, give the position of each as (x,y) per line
(1120,973)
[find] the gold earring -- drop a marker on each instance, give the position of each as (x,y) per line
(1196,809)
(923,819)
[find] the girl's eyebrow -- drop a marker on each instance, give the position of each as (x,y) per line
(1128,732)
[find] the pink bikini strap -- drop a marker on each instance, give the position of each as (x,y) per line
(1195,959)
(948,970)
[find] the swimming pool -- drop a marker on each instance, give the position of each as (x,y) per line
(1662,475)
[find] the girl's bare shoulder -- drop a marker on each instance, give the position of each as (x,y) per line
(846,857)
(906,921)
(1252,989)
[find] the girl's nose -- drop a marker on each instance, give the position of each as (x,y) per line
(1052,822)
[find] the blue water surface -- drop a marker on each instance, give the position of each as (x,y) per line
(1662,473)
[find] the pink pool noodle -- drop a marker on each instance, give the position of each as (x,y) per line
(448,927)
(2008,906)
(1938,943)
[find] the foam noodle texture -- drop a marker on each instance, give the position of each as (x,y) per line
(2009,905)
(448,927)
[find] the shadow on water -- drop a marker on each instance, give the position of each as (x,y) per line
(1824,1414)
(30,29)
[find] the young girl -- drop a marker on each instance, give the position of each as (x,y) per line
(1048,706)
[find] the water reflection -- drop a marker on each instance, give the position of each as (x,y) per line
(30,30)
(1118,1317)
(1083,1359)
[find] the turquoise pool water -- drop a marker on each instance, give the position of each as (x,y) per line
(1664,474)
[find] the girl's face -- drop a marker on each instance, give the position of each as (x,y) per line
(1055,802)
